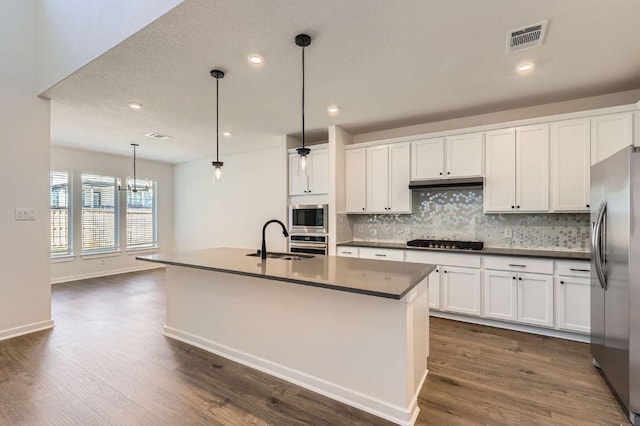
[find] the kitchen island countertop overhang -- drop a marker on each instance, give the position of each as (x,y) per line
(354,330)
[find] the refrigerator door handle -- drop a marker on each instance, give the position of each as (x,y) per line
(596,244)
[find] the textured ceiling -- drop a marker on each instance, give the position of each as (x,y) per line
(384,63)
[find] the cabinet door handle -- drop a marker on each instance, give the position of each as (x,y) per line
(561,282)
(437,270)
(519,278)
(363,209)
(513,207)
(380,255)
(445,272)
(440,173)
(514,278)
(517,207)
(448,173)
(579,270)
(515,264)
(588,206)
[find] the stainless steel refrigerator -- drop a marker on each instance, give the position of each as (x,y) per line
(615,274)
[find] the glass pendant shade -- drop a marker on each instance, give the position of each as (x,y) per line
(217,171)
(303,154)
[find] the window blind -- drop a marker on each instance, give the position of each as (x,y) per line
(59,202)
(99,213)
(141,216)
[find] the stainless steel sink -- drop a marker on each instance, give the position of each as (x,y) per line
(284,256)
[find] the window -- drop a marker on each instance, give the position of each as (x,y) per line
(141,216)
(99,214)
(59,201)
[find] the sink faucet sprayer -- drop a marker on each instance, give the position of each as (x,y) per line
(263,253)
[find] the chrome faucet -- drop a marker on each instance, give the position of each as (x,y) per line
(263,253)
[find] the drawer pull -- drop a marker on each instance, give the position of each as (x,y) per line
(519,266)
(579,270)
(346,252)
(380,255)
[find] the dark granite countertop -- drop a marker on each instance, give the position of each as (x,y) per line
(493,251)
(391,280)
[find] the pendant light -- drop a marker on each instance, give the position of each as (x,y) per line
(217,165)
(303,40)
(134,188)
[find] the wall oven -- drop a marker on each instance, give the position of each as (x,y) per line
(308,219)
(307,243)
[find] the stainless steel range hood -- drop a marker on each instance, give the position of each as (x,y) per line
(454,183)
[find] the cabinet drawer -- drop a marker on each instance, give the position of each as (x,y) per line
(348,251)
(519,264)
(440,258)
(381,254)
(574,269)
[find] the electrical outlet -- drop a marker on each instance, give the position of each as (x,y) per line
(508,233)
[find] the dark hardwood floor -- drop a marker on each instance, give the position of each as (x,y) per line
(106,362)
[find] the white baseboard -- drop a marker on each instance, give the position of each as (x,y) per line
(26,329)
(399,415)
(66,279)
(567,335)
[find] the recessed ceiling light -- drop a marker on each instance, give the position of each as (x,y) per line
(157,135)
(135,105)
(226,133)
(526,67)
(255,59)
(332,110)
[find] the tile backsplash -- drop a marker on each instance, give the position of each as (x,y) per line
(457,215)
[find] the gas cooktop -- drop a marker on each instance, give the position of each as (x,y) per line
(447,244)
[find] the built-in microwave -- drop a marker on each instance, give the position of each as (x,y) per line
(308,219)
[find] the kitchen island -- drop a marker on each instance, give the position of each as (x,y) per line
(355,330)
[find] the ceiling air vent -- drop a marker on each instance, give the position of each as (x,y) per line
(527,37)
(158,135)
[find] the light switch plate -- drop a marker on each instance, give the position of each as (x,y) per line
(25,214)
(508,233)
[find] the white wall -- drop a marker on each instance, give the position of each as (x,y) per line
(583,104)
(75,32)
(78,161)
(25,293)
(231,214)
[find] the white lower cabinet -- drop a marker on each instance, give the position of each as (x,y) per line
(347,251)
(461,290)
(434,289)
(573,298)
(523,297)
(535,299)
(500,295)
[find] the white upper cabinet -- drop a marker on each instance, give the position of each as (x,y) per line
(500,171)
(378,179)
(532,168)
(451,157)
(319,172)
(465,154)
(399,176)
(609,134)
(517,170)
(427,159)
(297,181)
(570,165)
(317,179)
(356,180)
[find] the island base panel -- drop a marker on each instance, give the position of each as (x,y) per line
(368,352)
